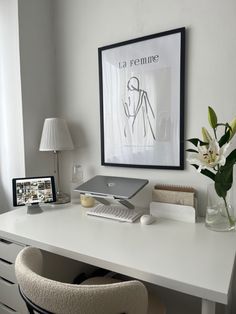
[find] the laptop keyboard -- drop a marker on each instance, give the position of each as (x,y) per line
(115,212)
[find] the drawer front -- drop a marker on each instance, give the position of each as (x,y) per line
(7,310)
(10,296)
(7,271)
(9,250)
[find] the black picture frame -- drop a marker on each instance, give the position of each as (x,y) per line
(141,83)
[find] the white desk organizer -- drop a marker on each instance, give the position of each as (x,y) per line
(173,211)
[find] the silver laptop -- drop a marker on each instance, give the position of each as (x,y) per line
(115,187)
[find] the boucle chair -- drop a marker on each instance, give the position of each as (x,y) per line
(98,295)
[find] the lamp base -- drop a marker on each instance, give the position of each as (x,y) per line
(62,198)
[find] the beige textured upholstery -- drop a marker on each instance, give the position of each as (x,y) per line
(95,296)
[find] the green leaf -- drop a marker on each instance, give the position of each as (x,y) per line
(191,150)
(224,177)
(223,181)
(206,172)
(231,157)
(225,138)
(195,141)
(212,118)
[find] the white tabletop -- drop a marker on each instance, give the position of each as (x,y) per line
(182,256)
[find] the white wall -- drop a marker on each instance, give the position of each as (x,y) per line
(84,25)
(37,54)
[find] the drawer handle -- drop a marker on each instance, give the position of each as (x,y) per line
(5,241)
(5,261)
(7,281)
(8,307)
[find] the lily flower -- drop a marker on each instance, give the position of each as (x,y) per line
(209,156)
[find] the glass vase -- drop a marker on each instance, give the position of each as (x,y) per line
(220,214)
(77,179)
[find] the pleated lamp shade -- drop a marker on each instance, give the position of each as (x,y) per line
(55,136)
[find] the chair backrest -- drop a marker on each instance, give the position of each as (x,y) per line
(129,297)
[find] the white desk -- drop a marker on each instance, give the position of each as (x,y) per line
(180,256)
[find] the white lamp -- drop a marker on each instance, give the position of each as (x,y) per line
(56,137)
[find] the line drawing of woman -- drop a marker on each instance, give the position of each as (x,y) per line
(142,107)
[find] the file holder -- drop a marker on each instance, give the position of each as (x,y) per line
(183,213)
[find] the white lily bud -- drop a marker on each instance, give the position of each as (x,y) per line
(233,128)
(206,135)
(212,118)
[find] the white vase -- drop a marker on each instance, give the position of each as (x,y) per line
(220,214)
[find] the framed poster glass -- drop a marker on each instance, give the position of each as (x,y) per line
(142,101)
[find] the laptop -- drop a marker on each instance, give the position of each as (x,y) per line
(114,187)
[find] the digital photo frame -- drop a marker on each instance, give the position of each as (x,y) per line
(33,191)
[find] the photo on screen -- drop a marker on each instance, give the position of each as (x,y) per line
(33,190)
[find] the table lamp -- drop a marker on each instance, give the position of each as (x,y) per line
(56,137)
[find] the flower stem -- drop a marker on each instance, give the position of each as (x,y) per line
(231,221)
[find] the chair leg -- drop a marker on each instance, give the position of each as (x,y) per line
(30,309)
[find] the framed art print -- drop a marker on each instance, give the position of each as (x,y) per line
(142,101)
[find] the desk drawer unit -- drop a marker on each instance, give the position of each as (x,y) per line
(10,299)
(7,270)
(6,310)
